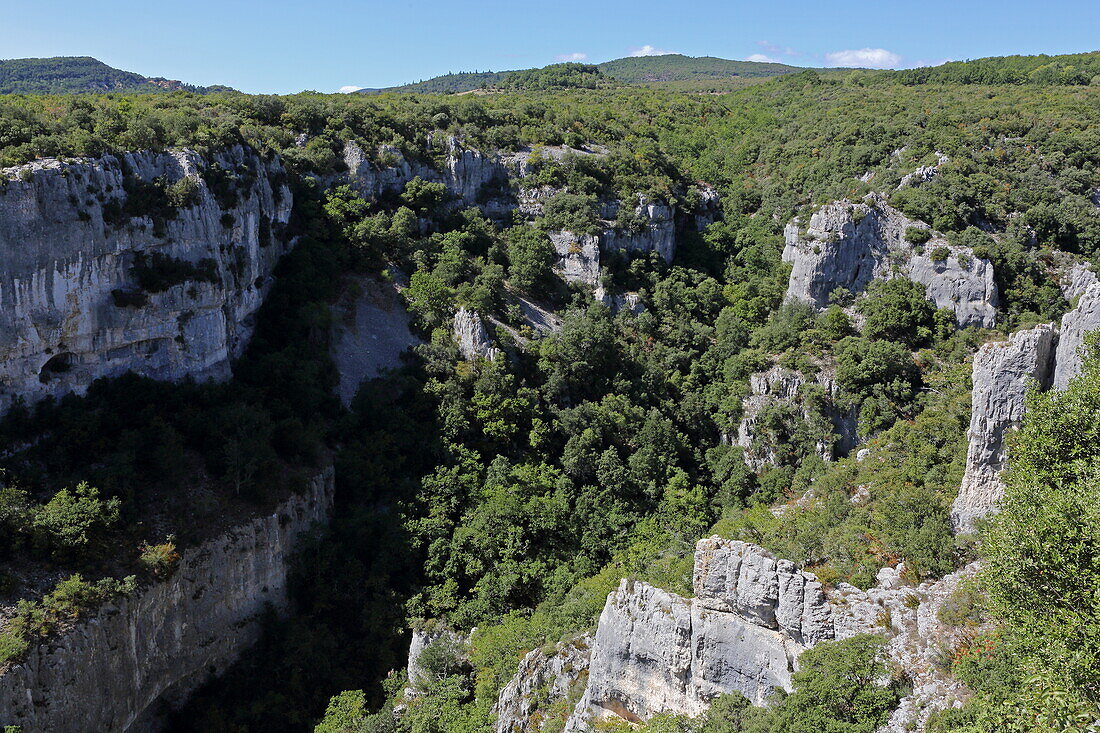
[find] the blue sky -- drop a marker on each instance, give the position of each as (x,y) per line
(280,47)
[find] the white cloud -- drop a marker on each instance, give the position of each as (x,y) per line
(572,56)
(761,58)
(648,50)
(869,58)
(348,89)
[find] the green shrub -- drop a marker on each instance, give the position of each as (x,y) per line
(72,518)
(917,235)
(940,254)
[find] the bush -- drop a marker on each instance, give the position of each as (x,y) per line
(940,254)
(898,310)
(70,520)
(571,212)
(917,235)
(160,560)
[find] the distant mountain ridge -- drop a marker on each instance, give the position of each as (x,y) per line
(82,74)
(632,70)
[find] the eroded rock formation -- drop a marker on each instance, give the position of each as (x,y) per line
(849,244)
(792,390)
(1002,373)
(77,237)
(544,680)
(112,672)
(1084,288)
(472,338)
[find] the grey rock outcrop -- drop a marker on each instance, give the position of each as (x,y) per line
(371,331)
(753,615)
(848,245)
(427,637)
(924,174)
(115,671)
(1083,287)
(628,302)
(789,388)
(472,338)
(71,309)
(656,652)
(542,680)
(467,173)
(1002,373)
(737,577)
(578,257)
(654,231)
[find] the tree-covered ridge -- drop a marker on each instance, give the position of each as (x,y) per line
(1040,70)
(634,70)
(80,74)
(677,67)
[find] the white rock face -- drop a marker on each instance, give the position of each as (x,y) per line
(737,577)
(787,386)
(466,173)
(541,680)
(157,646)
(1002,373)
(421,640)
(578,257)
(753,615)
(655,232)
(656,652)
(629,302)
(847,245)
(67,254)
(1076,324)
(472,338)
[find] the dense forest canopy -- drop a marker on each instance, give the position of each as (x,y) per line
(512,495)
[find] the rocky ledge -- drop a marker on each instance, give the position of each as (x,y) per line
(117,670)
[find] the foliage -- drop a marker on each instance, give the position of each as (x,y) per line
(69,521)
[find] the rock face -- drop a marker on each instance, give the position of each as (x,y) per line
(1076,324)
(472,338)
(71,306)
(542,681)
(467,174)
(753,615)
(656,652)
(578,257)
(847,245)
(788,388)
(654,231)
(1002,374)
(371,333)
(112,672)
(421,640)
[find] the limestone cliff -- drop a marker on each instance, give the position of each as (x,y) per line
(1002,373)
(545,680)
(113,671)
(75,237)
(1084,288)
(751,618)
(849,244)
